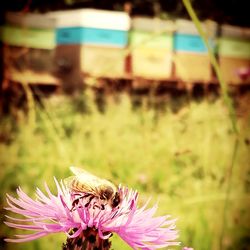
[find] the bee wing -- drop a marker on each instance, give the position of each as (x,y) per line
(79,185)
(85,176)
(83,181)
(67,181)
(77,171)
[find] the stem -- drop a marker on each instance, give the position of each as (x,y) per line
(229,185)
(229,104)
(214,63)
(31,104)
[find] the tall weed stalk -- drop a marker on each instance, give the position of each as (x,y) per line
(228,101)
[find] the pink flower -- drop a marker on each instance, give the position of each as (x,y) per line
(187,248)
(243,73)
(92,223)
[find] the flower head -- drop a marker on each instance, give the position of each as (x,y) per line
(86,219)
(243,73)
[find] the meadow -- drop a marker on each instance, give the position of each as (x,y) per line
(189,161)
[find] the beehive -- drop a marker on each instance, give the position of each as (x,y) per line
(29,40)
(151,45)
(191,58)
(102,37)
(234,53)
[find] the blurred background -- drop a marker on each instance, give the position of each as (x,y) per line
(126,90)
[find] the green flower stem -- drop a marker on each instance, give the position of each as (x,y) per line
(31,105)
(214,63)
(228,191)
(231,109)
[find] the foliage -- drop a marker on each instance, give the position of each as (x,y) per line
(180,159)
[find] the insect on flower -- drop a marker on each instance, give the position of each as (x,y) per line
(89,210)
(85,185)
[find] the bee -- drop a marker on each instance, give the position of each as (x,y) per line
(90,186)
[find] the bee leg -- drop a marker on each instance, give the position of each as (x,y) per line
(74,204)
(90,199)
(76,201)
(102,206)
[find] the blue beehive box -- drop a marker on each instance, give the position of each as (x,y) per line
(92,27)
(92,36)
(100,38)
(191,58)
(189,43)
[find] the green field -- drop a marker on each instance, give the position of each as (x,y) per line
(184,160)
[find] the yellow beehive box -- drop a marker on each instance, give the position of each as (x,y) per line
(234,53)
(192,67)
(29,42)
(151,44)
(152,63)
(103,62)
(231,68)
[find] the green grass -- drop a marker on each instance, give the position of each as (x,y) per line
(182,160)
